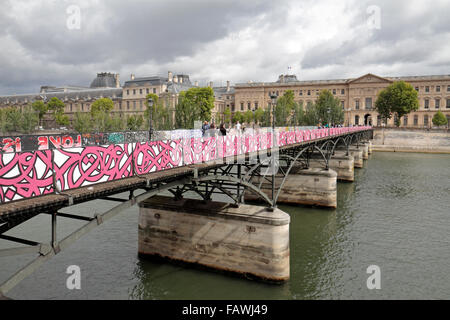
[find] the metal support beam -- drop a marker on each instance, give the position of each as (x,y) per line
(46,251)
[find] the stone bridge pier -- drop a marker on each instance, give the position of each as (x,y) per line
(246,240)
(312,187)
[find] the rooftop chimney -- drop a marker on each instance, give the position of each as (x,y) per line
(175,79)
(196,83)
(170,76)
(211,84)
(228,86)
(116,77)
(180,78)
(132,76)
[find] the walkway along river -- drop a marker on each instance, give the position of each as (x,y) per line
(396,215)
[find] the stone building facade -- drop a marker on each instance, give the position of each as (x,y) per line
(357,96)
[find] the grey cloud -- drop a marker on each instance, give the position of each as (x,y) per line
(403,38)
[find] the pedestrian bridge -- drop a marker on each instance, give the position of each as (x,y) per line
(44,174)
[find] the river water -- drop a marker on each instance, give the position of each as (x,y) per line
(396,215)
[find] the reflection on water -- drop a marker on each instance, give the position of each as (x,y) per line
(395,215)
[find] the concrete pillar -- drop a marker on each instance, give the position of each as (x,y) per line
(343,165)
(247,240)
(370,147)
(312,186)
(357,154)
(365,148)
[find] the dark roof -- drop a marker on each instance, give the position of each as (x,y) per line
(88,94)
(104,80)
(178,87)
(152,81)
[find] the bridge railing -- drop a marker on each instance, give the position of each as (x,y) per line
(31,174)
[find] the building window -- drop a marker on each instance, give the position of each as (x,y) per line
(242,106)
(301,92)
(356,120)
(343,104)
(378,120)
(128,105)
(309,92)
(140,91)
(416,120)
(437,103)
(448,88)
(426,104)
(256,104)
(140,104)
(427,89)
(147,90)
(154,90)
(134,91)
(448,103)
(342,91)
(405,120)
(417,89)
(128,92)
(357,104)
(368,103)
(134,105)
(82,107)
(334,91)
(438,88)
(425,121)
(249,105)
(70,107)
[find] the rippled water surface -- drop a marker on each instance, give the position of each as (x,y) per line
(395,215)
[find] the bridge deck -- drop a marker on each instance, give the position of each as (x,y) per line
(43,204)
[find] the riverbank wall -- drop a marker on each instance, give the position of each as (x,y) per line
(411,140)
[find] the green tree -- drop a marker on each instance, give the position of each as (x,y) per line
(116,123)
(82,122)
(3,121)
(248,116)
(40,107)
(227,115)
(186,113)
(162,118)
(14,119)
(327,102)
(101,114)
(399,98)
(283,109)
(298,118)
(238,116)
(56,106)
(439,119)
(203,99)
(29,120)
(135,122)
(311,117)
(259,116)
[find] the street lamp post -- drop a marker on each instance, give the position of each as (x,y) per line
(329,125)
(273,99)
(150,121)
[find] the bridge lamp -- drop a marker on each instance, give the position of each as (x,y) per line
(150,110)
(273,99)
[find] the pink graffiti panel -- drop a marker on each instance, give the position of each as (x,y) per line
(157,155)
(25,175)
(80,167)
(210,149)
(192,151)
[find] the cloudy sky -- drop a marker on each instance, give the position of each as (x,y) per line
(46,42)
